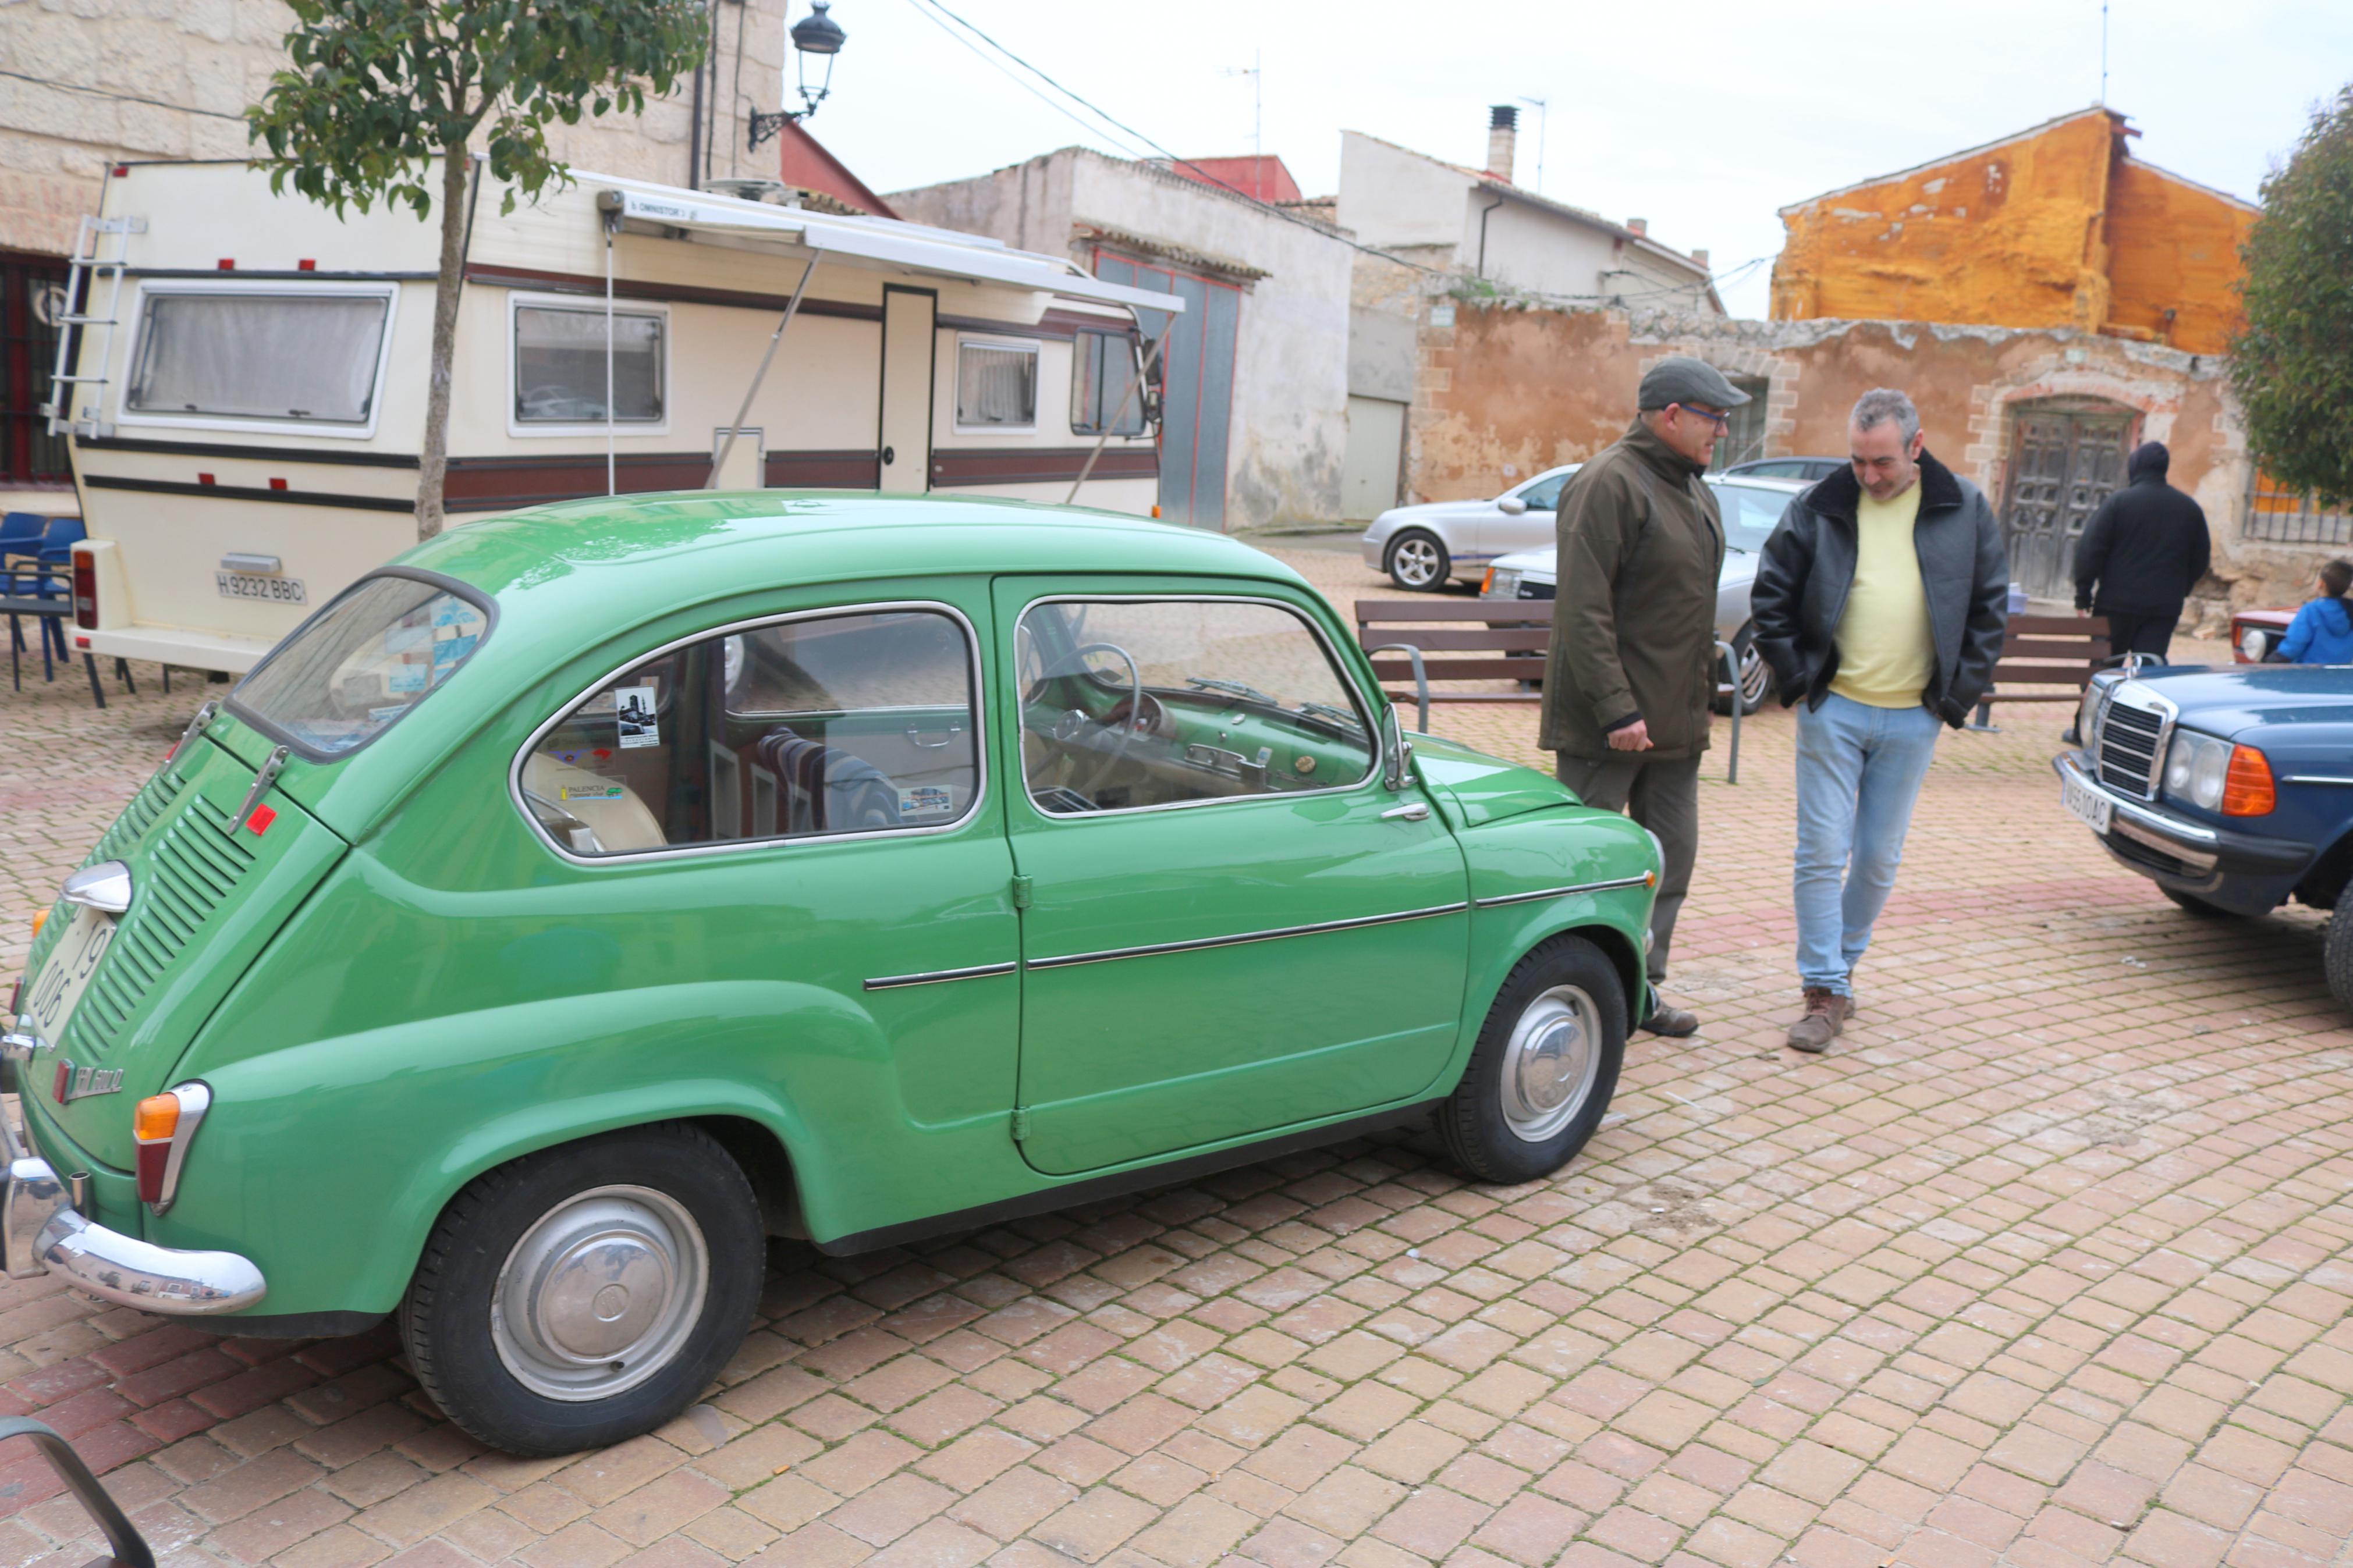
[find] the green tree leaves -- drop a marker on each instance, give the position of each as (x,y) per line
(2292,361)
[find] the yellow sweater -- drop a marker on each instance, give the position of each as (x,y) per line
(1886,652)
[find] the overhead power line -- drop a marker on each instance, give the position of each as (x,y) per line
(121,97)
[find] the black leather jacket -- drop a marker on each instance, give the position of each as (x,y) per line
(1808,567)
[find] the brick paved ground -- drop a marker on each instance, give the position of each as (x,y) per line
(2047,1264)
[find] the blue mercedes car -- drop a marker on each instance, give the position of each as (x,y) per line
(2232,789)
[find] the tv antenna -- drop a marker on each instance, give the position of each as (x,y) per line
(1542,119)
(2103,53)
(1258,111)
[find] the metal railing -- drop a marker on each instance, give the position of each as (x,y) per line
(2277,516)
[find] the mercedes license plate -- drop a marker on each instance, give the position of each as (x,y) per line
(2094,810)
(254,585)
(49,1000)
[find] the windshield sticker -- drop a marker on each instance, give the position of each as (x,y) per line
(924,802)
(388,713)
(593,792)
(449,650)
(409,636)
(406,676)
(633,706)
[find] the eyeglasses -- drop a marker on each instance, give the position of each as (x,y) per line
(1721,421)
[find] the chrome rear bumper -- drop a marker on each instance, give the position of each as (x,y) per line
(42,1233)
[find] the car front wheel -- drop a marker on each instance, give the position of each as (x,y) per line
(2336,957)
(1547,1063)
(1419,562)
(587,1294)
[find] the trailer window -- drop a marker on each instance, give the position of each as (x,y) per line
(559,367)
(1107,365)
(997,385)
(308,357)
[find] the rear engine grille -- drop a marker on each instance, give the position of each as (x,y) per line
(153,799)
(191,870)
(2128,743)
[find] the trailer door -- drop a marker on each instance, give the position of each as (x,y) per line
(908,357)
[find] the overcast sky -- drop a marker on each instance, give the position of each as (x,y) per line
(1702,116)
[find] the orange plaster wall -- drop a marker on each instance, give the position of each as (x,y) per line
(2173,245)
(2003,238)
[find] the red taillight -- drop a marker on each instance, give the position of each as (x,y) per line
(163,1124)
(85,590)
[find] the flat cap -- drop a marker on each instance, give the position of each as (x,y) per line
(1679,378)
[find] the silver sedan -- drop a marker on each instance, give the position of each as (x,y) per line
(1424,547)
(1750,508)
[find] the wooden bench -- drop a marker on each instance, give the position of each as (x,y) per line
(2048,651)
(1479,639)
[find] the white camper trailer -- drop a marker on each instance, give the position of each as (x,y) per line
(245,383)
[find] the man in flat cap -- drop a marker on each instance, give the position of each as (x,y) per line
(1631,676)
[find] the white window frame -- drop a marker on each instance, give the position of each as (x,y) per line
(1033,347)
(331,430)
(517,301)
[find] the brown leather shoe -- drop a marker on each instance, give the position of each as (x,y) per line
(1672,1022)
(1826,1014)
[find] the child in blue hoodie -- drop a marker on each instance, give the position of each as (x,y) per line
(2322,632)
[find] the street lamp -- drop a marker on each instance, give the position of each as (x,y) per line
(815,34)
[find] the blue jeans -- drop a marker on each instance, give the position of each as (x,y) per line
(1859,771)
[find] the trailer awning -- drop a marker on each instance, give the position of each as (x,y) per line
(941,252)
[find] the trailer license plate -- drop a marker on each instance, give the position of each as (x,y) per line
(2094,810)
(253,585)
(49,1000)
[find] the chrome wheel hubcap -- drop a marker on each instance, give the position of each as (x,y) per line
(1416,560)
(600,1294)
(1753,676)
(1550,1063)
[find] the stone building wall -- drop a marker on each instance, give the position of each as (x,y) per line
(147,80)
(1510,386)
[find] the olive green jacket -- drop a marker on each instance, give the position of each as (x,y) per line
(1633,621)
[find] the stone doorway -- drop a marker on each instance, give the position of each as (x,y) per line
(2066,456)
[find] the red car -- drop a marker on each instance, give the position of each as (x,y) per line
(2255,632)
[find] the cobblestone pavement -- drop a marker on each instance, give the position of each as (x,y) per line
(2047,1263)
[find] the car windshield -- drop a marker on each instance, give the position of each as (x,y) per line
(350,672)
(1750,513)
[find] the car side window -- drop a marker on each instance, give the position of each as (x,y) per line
(1134,703)
(1544,494)
(814,726)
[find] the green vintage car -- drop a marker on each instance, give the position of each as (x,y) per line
(598,891)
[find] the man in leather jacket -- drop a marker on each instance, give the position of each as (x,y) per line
(1880,603)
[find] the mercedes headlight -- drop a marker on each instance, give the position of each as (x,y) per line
(2196,767)
(2087,716)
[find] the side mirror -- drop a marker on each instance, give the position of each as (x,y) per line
(1396,753)
(1511,506)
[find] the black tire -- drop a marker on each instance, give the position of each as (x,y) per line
(2337,956)
(1500,1124)
(1755,676)
(2192,904)
(1419,562)
(474,1360)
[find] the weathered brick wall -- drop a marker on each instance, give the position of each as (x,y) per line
(213,57)
(1526,387)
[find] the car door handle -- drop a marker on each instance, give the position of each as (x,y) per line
(1411,811)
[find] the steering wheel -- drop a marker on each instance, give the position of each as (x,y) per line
(1139,716)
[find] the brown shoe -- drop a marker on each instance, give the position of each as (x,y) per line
(1826,1014)
(1672,1022)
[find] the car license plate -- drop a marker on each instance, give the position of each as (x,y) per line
(254,585)
(2094,810)
(49,1000)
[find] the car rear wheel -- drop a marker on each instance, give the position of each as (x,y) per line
(585,1294)
(1547,1063)
(2336,959)
(1419,562)
(1756,677)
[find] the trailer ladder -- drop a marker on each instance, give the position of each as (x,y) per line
(88,264)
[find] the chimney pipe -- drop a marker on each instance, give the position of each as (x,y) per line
(1502,138)
(1641,226)
(1700,256)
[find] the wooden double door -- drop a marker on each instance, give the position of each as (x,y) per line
(2066,459)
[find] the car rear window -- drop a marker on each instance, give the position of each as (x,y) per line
(348,673)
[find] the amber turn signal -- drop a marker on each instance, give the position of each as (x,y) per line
(40,918)
(157,1117)
(2247,788)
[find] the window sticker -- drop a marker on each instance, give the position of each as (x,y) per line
(411,635)
(634,707)
(593,792)
(405,677)
(925,801)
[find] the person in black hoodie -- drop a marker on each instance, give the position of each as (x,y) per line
(2140,555)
